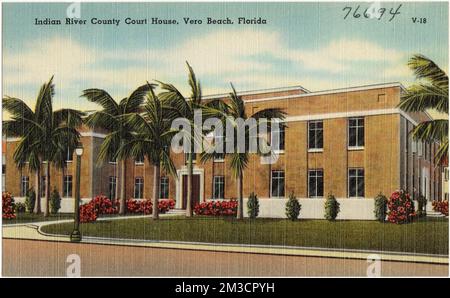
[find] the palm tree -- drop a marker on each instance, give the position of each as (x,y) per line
(239,159)
(184,107)
(111,119)
(430,93)
(44,134)
(151,138)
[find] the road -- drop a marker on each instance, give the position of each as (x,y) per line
(46,258)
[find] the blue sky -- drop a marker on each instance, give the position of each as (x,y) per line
(307,44)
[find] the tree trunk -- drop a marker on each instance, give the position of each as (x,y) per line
(189,210)
(37,203)
(240,209)
(156,178)
(123,207)
(47,189)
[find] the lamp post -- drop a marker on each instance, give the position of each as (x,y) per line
(75,236)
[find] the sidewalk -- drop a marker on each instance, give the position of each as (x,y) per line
(32,231)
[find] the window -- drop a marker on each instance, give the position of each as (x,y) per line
(186,158)
(43,181)
(356,132)
(414,146)
(277,184)
(69,155)
(3,175)
(112,187)
(281,137)
(446,174)
(219,187)
(219,142)
(164,188)
(315,134)
(24,185)
(112,160)
(139,161)
(356,183)
(67,186)
(138,188)
(315,183)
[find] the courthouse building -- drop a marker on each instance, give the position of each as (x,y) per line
(352,142)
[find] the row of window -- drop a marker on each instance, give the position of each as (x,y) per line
(315,138)
(355,133)
(315,183)
(277,185)
(67,185)
(139,187)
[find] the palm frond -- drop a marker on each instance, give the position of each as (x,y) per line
(425,68)
(236,105)
(441,156)
(173,98)
(17,107)
(430,131)
(196,90)
(13,129)
(44,103)
(420,97)
(103,120)
(102,98)
(132,103)
(69,117)
(109,147)
(238,163)
(167,163)
(27,151)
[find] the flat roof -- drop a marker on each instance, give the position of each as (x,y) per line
(258,91)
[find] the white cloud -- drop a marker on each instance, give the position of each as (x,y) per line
(338,55)
(251,58)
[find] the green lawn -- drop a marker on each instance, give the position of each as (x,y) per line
(24,217)
(424,236)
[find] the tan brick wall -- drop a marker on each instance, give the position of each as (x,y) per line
(381,157)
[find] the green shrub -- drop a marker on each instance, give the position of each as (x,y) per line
(331,207)
(421,206)
(20,207)
(380,210)
(293,207)
(30,200)
(55,202)
(253,205)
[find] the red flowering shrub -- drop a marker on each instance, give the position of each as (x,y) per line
(170,202)
(163,206)
(88,213)
(7,206)
(139,206)
(146,206)
(441,206)
(103,205)
(97,206)
(218,208)
(400,208)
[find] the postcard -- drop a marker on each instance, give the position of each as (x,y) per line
(225,139)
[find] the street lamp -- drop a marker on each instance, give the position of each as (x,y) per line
(75,236)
